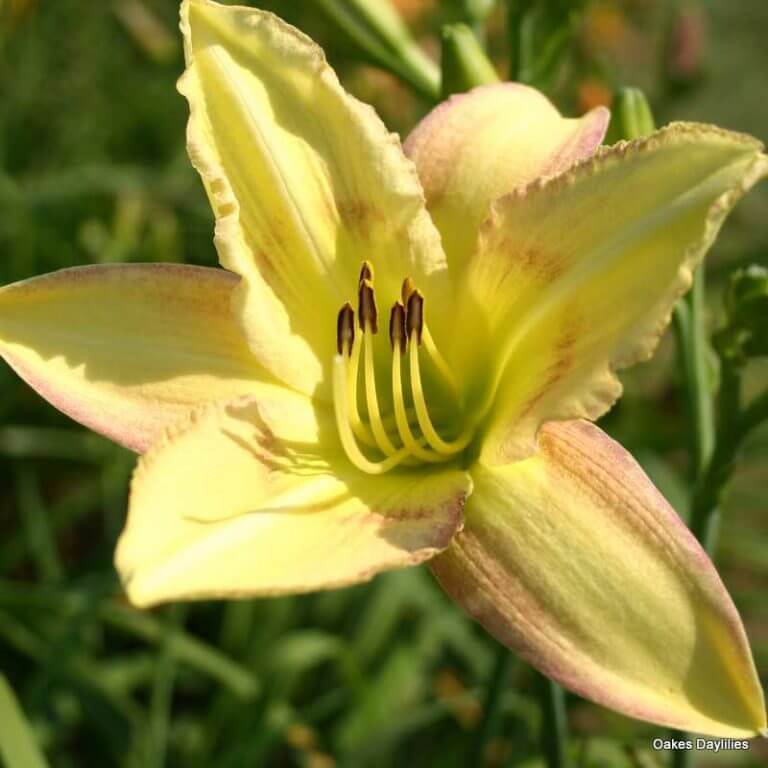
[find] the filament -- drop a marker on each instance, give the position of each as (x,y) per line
(360,430)
(438,359)
(380,434)
(401,417)
(436,442)
(341,407)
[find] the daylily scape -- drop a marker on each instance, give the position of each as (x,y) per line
(400,362)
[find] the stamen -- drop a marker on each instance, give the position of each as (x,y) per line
(397,319)
(368,315)
(359,427)
(406,291)
(341,406)
(360,430)
(416,321)
(345,329)
(436,442)
(374,414)
(438,359)
(397,337)
(414,318)
(366,272)
(407,331)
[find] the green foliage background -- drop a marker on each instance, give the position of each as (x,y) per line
(93,169)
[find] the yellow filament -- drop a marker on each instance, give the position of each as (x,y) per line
(380,434)
(401,416)
(341,406)
(359,427)
(437,358)
(360,430)
(448,447)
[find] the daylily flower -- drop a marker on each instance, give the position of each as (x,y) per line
(290,447)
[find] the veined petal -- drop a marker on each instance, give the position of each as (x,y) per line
(305,182)
(575,560)
(478,146)
(576,277)
(256,498)
(128,349)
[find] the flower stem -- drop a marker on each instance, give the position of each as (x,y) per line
(693,350)
(554,725)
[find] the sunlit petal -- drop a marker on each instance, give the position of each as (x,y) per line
(577,277)
(576,561)
(128,349)
(256,498)
(305,181)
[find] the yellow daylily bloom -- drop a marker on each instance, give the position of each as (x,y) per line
(288,446)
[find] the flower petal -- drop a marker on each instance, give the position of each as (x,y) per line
(128,349)
(255,498)
(305,182)
(577,277)
(478,146)
(576,561)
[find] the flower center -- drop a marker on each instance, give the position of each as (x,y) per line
(407,435)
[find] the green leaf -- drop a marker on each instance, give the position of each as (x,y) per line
(18,746)
(541,34)
(376,28)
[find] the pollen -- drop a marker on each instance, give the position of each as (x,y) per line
(407,435)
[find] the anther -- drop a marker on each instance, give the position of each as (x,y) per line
(368,314)
(345,329)
(414,316)
(366,272)
(397,337)
(407,289)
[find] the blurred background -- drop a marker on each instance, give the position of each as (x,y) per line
(93,169)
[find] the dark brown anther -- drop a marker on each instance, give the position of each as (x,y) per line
(414,316)
(397,337)
(366,272)
(368,315)
(345,329)
(407,289)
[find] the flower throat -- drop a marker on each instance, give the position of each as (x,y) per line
(408,435)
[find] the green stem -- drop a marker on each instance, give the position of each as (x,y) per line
(693,349)
(516,10)
(500,674)
(681,758)
(554,725)
(705,513)
(464,64)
